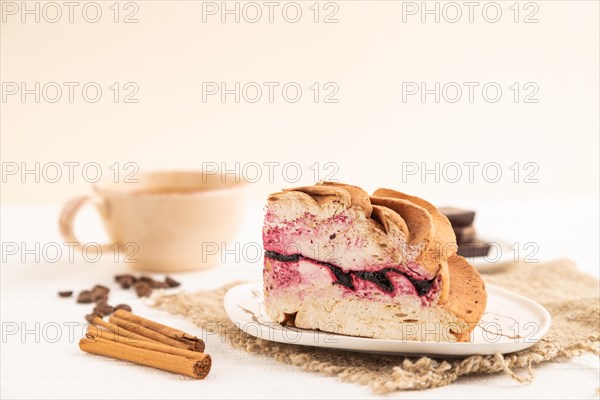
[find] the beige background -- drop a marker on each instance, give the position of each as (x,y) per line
(367,134)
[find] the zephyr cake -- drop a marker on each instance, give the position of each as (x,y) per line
(381,266)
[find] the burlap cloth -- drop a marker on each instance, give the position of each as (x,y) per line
(571,297)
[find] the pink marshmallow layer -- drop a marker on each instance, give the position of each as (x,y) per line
(324,240)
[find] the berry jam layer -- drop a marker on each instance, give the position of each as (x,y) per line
(388,280)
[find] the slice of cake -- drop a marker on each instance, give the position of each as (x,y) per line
(381,266)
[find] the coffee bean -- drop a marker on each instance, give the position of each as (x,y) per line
(171,282)
(103,310)
(100,288)
(101,300)
(143,289)
(123,276)
(85,297)
(148,280)
(144,284)
(154,284)
(126,281)
(66,293)
(100,291)
(125,307)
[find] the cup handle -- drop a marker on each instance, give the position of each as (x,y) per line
(67,219)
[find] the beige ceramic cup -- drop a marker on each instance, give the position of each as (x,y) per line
(166,220)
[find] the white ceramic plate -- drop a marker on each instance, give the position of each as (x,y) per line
(499,256)
(511,323)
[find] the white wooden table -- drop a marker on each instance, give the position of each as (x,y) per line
(40,331)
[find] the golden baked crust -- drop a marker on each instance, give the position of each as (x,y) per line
(467,298)
(385,216)
(417,219)
(324,194)
(359,197)
(443,234)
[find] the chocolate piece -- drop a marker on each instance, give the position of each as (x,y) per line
(103,310)
(126,281)
(142,289)
(125,307)
(464,234)
(473,249)
(90,317)
(457,216)
(66,293)
(85,297)
(171,282)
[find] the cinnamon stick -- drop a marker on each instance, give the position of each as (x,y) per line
(119,330)
(94,332)
(194,343)
(195,367)
(149,333)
